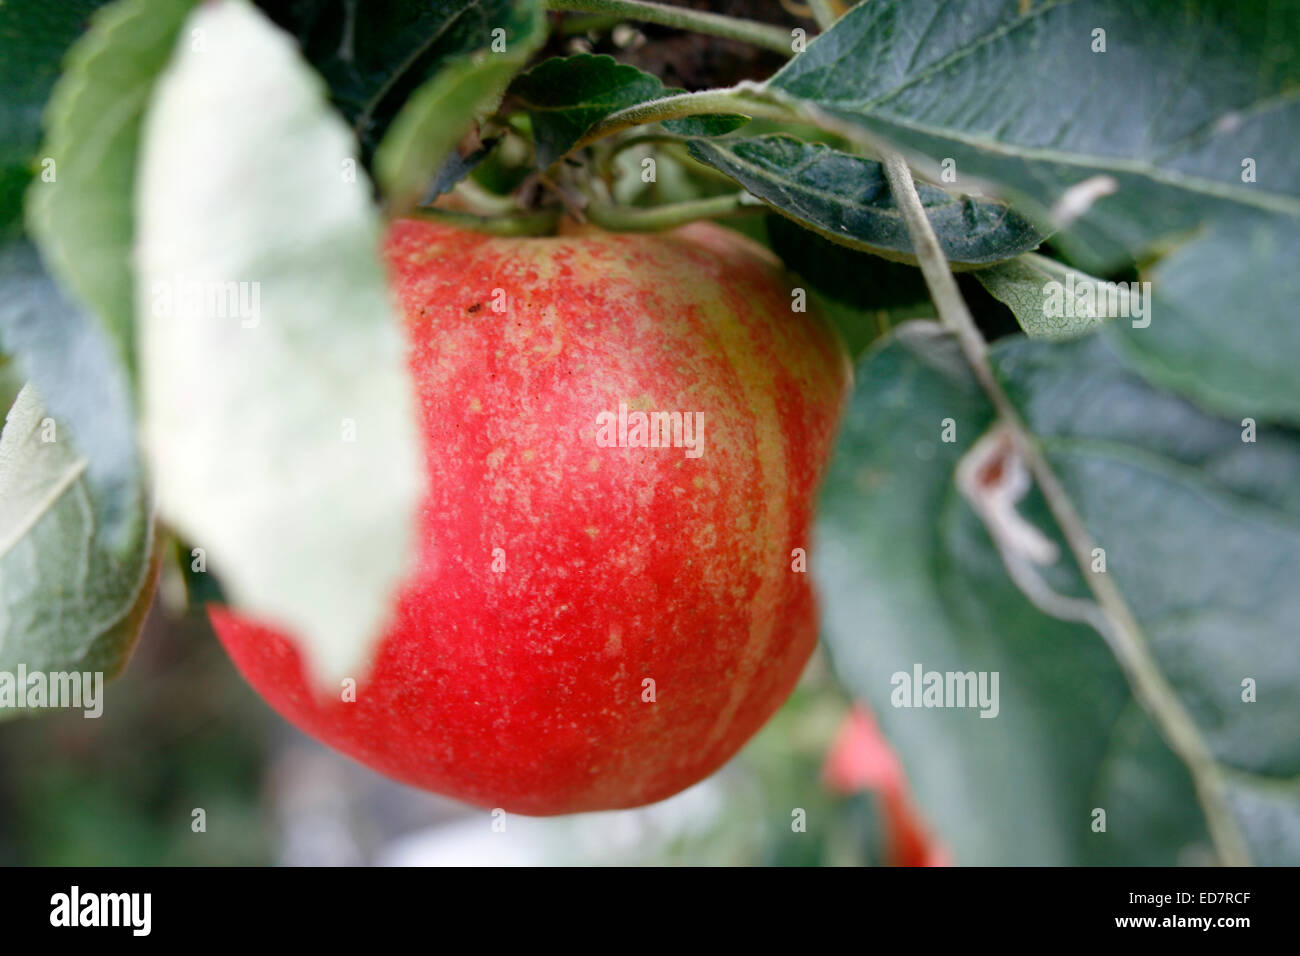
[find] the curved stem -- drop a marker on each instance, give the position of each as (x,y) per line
(576,26)
(483,201)
(747,31)
(540,223)
(823,12)
(655,218)
(608,152)
(1121,628)
(726,101)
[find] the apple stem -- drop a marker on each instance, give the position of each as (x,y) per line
(539,223)
(652,219)
(724,101)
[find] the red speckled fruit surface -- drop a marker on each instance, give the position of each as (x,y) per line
(557,577)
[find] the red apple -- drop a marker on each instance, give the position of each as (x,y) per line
(588,626)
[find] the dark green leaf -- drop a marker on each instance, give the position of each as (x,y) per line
(847,199)
(437,114)
(706,125)
(1201,532)
(1223,326)
(1185,93)
(34,35)
(908,576)
(375,55)
(566,96)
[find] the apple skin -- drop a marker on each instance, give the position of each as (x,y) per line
(523,687)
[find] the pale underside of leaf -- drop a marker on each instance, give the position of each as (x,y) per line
(63,591)
(248,409)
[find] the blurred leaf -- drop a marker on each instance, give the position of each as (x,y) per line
(1023,285)
(846,199)
(60,349)
(375,55)
(907,575)
(566,96)
(1223,326)
(34,35)
(11,383)
(438,113)
(1185,92)
(83,221)
(75,527)
(246,404)
(69,600)
(1218,325)
(1200,531)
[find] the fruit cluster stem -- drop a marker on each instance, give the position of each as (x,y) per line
(655,218)
(539,223)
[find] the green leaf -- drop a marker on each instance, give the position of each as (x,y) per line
(908,576)
(436,116)
(1025,285)
(846,199)
(375,56)
(252,389)
(75,527)
(34,35)
(1217,321)
(1223,327)
(567,96)
(1200,532)
(1184,94)
(83,220)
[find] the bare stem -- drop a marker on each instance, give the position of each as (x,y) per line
(655,218)
(747,31)
(540,223)
(823,13)
(1125,634)
(706,102)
